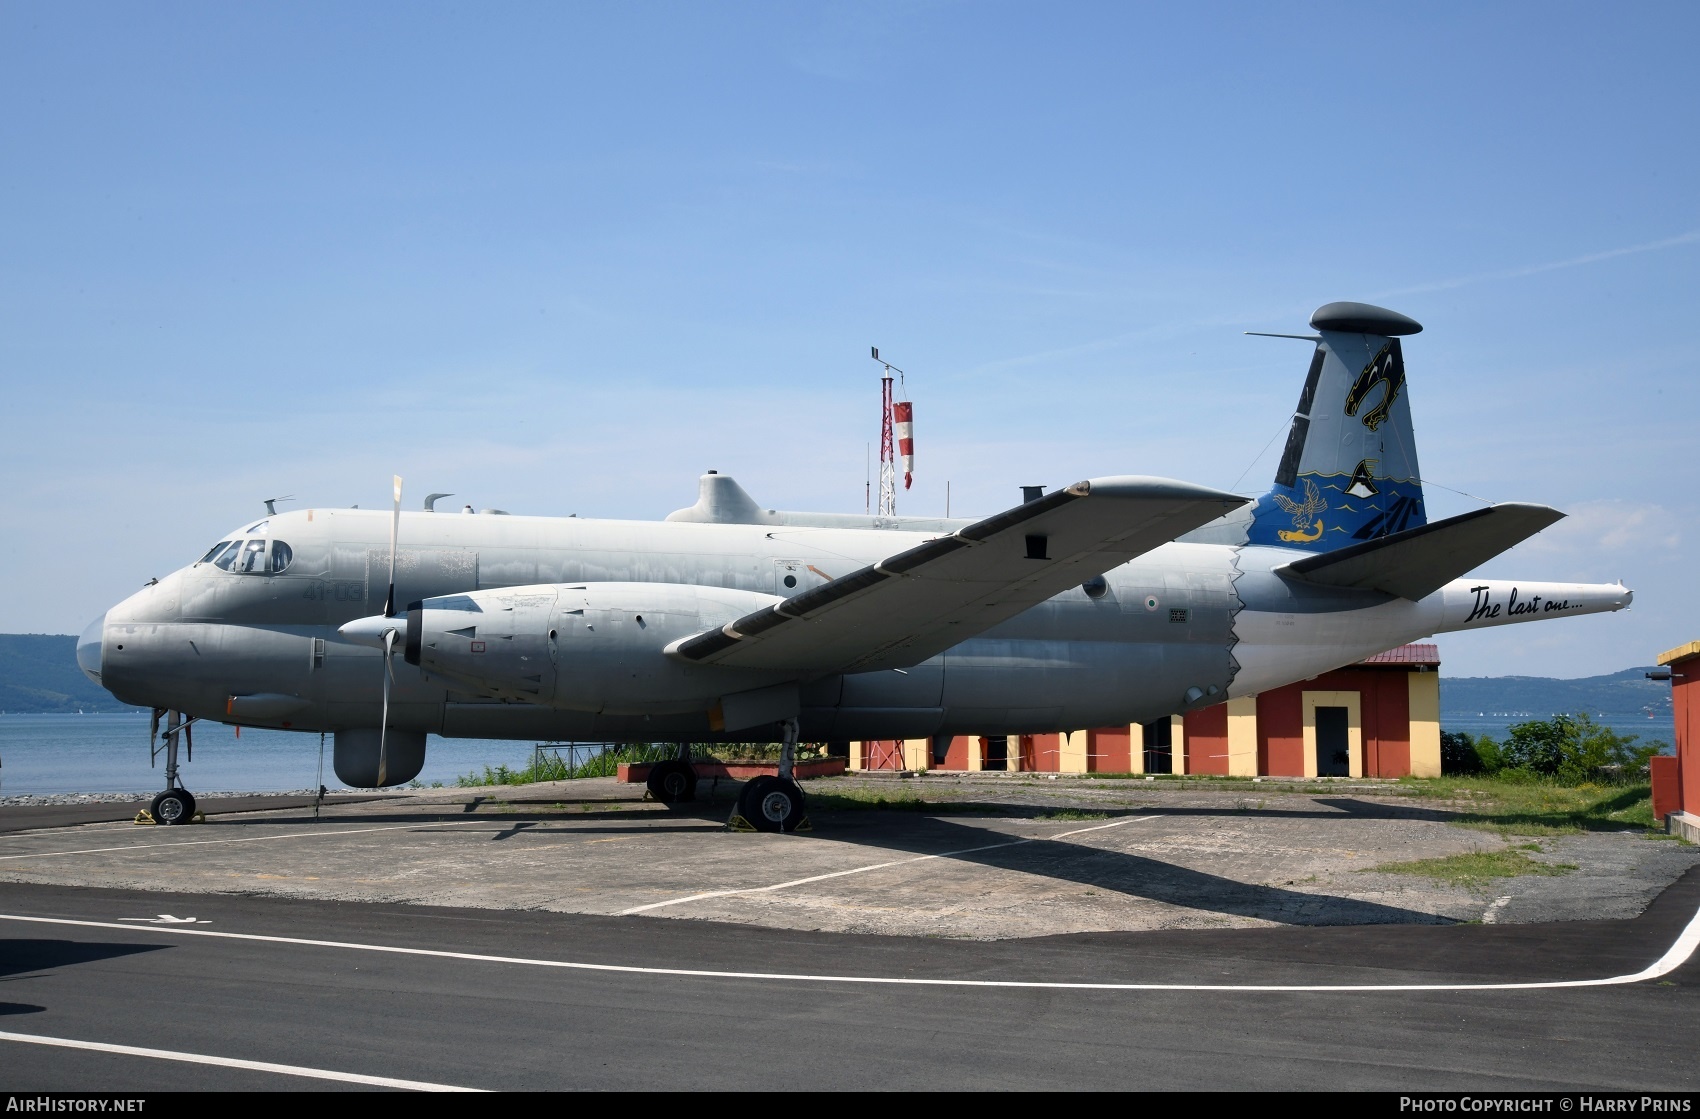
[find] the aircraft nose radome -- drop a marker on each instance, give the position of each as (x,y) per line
(89,648)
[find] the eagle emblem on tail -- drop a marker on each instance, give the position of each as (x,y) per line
(1306,525)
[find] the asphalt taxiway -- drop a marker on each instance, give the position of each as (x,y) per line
(268,952)
(328,995)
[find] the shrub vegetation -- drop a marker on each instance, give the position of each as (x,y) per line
(1565,749)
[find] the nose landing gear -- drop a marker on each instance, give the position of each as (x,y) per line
(176,805)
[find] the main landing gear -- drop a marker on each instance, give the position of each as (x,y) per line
(771,804)
(176,805)
(774,804)
(674,781)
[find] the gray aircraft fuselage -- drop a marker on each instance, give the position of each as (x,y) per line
(1189,624)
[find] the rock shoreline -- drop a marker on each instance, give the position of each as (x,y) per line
(24,799)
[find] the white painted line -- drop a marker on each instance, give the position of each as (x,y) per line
(249,839)
(1677,955)
(232,1062)
(866,869)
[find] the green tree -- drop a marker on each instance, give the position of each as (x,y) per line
(1537,746)
(1458,755)
(1574,749)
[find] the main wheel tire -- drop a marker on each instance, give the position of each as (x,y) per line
(174,806)
(772,804)
(673,782)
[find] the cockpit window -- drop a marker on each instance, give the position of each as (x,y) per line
(250,555)
(251,558)
(226,554)
(258,528)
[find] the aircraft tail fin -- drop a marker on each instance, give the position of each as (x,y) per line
(1349,471)
(1419,561)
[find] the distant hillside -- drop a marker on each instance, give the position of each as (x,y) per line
(1622,693)
(38,672)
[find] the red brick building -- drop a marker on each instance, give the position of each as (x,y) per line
(1676,780)
(1377,718)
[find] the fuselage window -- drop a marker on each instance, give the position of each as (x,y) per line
(216,549)
(252,558)
(227,555)
(282,554)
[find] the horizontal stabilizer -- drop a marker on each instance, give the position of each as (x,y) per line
(923,600)
(1417,562)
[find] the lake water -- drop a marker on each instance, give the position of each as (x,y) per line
(1495,726)
(108,753)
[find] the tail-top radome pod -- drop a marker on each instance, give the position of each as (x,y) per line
(1349,472)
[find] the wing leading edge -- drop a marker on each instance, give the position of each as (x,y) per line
(919,602)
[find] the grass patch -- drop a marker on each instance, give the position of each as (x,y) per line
(1537,806)
(1477,868)
(1191,778)
(1072,814)
(547,766)
(853,800)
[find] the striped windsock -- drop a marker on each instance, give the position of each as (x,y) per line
(904,413)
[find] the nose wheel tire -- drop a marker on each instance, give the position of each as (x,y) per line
(772,804)
(174,806)
(673,781)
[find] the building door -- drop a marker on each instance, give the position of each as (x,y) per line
(997,752)
(1333,742)
(1159,746)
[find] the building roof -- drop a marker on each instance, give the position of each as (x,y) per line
(1427,656)
(1680,653)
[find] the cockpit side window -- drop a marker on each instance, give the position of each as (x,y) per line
(252,557)
(227,555)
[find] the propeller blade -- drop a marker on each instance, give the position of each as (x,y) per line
(384,725)
(395,529)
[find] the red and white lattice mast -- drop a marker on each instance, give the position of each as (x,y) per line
(901,414)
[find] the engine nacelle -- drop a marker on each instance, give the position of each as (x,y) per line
(582,646)
(357,754)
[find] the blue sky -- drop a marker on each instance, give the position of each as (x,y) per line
(562,258)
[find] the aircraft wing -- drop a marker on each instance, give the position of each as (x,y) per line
(1419,561)
(919,602)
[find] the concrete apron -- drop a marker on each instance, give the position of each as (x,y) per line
(988,857)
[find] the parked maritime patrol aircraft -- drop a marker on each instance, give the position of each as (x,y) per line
(1113,600)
